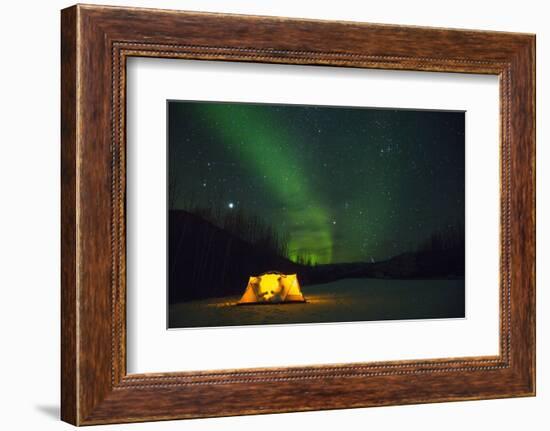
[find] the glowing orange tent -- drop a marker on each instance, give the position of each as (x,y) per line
(272,288)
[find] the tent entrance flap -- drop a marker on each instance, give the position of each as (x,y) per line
(272,288)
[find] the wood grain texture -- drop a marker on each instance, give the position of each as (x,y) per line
(96,41)
(69,366)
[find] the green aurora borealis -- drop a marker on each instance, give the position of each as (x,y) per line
(278,166)
(344,184)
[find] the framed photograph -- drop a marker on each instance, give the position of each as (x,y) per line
(266,215)
(286,204)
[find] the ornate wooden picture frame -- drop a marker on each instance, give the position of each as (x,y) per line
(96,41)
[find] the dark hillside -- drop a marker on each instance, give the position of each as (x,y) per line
(207,261)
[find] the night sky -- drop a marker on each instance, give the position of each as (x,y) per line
(345,184)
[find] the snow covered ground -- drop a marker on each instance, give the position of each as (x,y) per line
(345,300)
